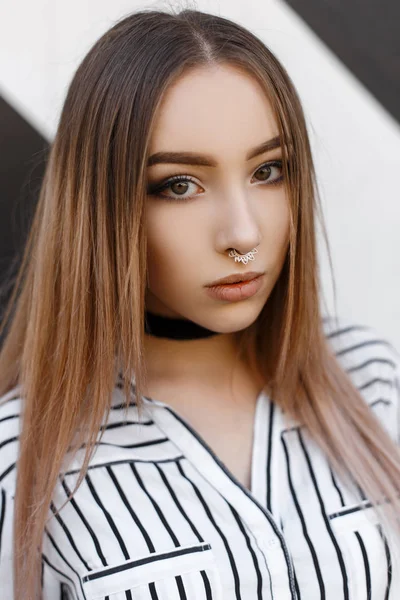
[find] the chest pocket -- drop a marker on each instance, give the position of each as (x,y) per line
(184,573)
(368,550)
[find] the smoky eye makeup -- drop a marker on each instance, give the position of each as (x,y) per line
(156,188)
(183,182)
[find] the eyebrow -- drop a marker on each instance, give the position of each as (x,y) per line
(204,160)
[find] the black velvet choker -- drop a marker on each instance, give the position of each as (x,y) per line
(176,329)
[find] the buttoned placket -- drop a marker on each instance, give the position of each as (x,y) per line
(249,504)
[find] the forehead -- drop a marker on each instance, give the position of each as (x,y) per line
(216,109)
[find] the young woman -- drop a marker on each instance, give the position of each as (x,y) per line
(178,436)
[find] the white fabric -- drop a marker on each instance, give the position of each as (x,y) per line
(158,516)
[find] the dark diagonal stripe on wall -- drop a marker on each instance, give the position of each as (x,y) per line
(23,153)
(365,36)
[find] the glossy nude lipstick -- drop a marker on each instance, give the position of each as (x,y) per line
(236,287)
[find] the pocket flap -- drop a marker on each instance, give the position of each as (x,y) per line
(351,518)
(139,571)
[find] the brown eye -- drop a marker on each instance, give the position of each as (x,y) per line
(270,173)
(264,173)
(179,187)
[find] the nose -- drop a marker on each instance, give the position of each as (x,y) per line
(238,225)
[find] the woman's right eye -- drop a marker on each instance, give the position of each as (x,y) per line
(178,186)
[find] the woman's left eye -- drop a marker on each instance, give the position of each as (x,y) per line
(270,173)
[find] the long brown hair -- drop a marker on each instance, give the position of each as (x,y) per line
(76,315)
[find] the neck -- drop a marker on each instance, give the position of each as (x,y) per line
(175,359)
(174,328)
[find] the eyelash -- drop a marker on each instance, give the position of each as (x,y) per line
(155,189)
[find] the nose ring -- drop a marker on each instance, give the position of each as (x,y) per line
(244,258)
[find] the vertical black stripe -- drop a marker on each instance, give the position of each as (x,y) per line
(2,516)
(361,492)
(296,583)
(107,516)
(207,585)
(335,483)
(269,455)
(61,555)
(325,517)
(366,565)
(156,507)
(69,536)
(253,555)
(388,561)
(85,522)
(65,590)
(153,593)
(212,520)
(178,504)
(181,588)
(134,516)
(303,522)
(42,575)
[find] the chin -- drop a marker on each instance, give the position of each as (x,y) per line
(231,321)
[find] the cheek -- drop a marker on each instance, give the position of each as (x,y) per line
(170,246)
(160,253)
(276,226)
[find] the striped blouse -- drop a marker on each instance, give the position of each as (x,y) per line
(159,516)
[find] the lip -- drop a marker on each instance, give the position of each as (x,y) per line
(235,278)
(235,292)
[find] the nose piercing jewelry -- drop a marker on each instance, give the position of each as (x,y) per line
(244,258)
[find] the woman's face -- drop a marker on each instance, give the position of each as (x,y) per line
(228,196)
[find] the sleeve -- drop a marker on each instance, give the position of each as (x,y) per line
(397,400)
(372,361)
(52,588)
(6,536)
(394,424)
(390,390)
(394,357)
